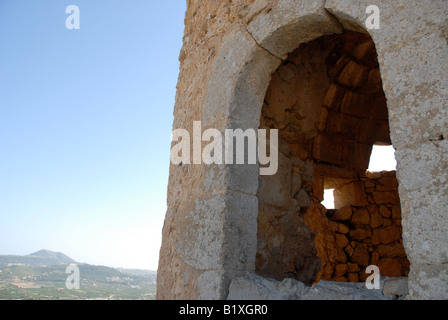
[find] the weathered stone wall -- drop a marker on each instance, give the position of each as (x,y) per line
(230,51)
(365,230)
(194,203)
(285,245)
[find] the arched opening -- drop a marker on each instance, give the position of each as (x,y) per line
(326,100)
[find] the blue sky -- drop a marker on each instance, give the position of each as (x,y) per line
(85,123)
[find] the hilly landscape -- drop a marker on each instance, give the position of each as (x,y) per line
(42,276)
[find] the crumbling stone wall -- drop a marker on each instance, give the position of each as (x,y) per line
(364,230)
(285,245)
(231,49)
(327,101)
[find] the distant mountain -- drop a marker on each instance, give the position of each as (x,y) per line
(53,257)
(40,258)
(42,275)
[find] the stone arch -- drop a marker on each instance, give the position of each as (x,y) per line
(238,83)
(326,100)
(413,67)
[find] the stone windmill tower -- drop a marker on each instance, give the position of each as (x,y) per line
(333,88)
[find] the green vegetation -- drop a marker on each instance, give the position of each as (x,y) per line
(24,278)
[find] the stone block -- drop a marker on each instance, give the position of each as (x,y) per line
(255,287)
(374,174)
(291,23)
(352,267)
(387,184)
(341,241)
(387,222)
(334,96)
(396,287)
(369,184)
(350,194)
(343,214)
(342,228)
(361,216)
(339,255)
(241,177)
(428,281)
(384,197)
(384,211)
(331,290)
(386,235)
(424,201)
(340,270)
(240,245)
(361,256)
(353,277)
(392,250)
(328,149)
(356,104)
(333,226)
(340,124)
(390,267)
(372,209)
(275,190)
(422,73)
(233,71)
(354,75)
(375,220)
(349,250)
(360,233)
(213,284)
(202,247)
(327,271)
(303,199)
